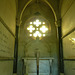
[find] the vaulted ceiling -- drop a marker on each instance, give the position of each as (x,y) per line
(30,8)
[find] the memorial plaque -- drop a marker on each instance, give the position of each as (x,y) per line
(6,42)
(69,67)
(31,66)
(6,67)
(39,73)
(69,46)
(44,67)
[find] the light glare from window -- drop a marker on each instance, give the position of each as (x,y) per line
(37,23)
(43,29)
(30,22)
(72,40)
(37,33)
(37,29)
(43,22)
(44,35)
(30,34)
(30,28)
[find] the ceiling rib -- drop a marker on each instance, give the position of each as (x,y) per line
(43,1)
(51,9)
(24,8)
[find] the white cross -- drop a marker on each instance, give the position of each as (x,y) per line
(43,29)
(30,28)
(37,23)
(37,33)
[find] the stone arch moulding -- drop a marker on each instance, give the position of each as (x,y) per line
(43,1)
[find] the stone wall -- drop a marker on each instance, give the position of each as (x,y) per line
(7,35)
